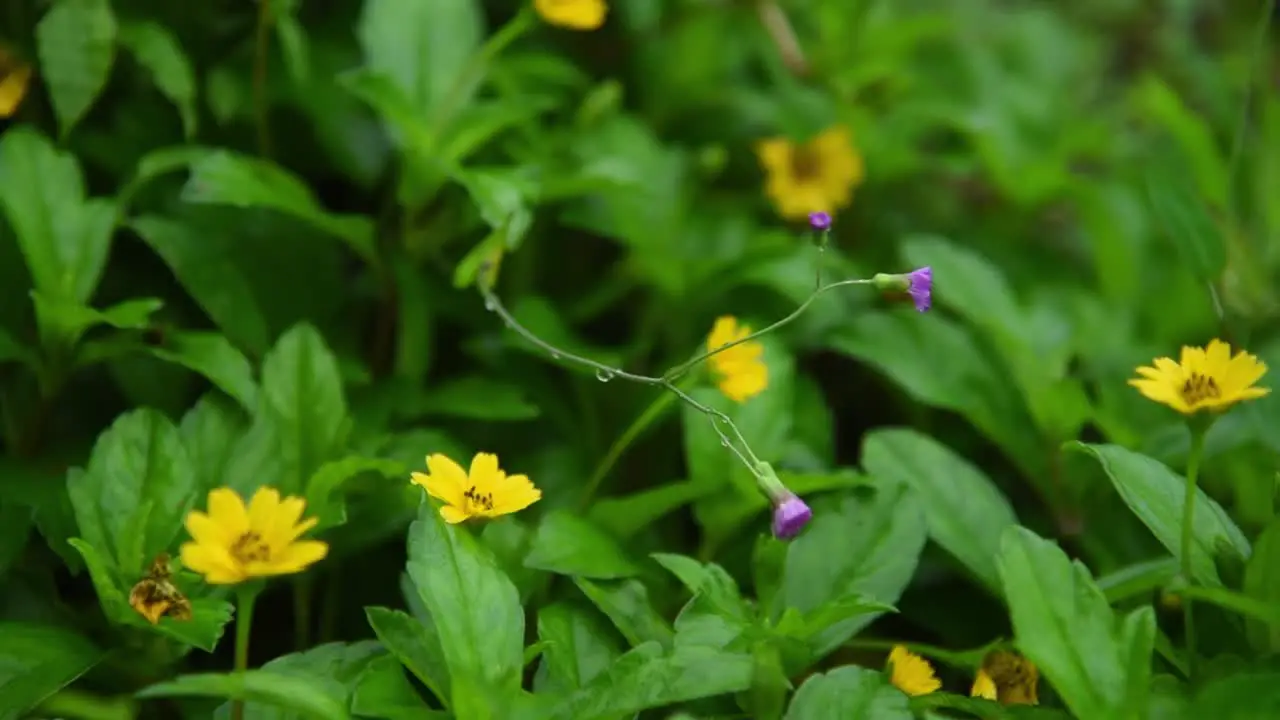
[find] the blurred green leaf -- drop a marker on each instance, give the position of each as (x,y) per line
(1156,495)
(647,677)
(416,645)
(1139,579)
(63,323)
(502,197)
(227,178)
(1100,665)
(965,511)
(1173,200)
(138,486)
(15,526)
(716,616)
(1262,583)
(38,660)
(626,604)
(76,40)
(848,691)
(64,237)
(569,545)
(478,398)
(214,357)
(310,697)
(210,276)
(1249,695)
(481,623)
(1192,133)
(579,645)
(324,497)
(156,49)
(858,545)
(382,691)
(626,515)
(302,394)
(330,669)
(210,431)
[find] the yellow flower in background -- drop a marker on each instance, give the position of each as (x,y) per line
(15,78)
(741,370)
(1008,678)
(485,491)
(1205,379)
(232,543)
(815,176)
(573,14)
(911,673)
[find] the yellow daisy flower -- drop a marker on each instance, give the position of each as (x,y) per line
(232,543)
(741,369)
(15,78)
(911,673)
(572,14)
(1008,678)
(1205,379)
(485,492)
(815,176)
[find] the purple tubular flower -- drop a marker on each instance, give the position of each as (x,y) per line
(789,517)
(920,287)
(819,221)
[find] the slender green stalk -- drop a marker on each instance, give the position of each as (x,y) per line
(619,446)
(1188,534)
(262,45)
(303,587)
(246,596)
(70,703)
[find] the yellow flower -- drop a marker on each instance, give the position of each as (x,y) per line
(1205,379)
(486,491)
(815,176)
(741,368)
(573,14)
(233,543)
(1007,677)
(15,77)
(911,673)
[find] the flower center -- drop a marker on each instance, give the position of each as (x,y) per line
(806,163)
(1199,387)
(479,499)
(250,548)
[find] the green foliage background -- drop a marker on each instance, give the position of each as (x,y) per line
(238,246)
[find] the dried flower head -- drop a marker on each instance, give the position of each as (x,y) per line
(155,596)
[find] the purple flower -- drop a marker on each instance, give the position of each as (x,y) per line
(789,517)
(920,287)
(819,221)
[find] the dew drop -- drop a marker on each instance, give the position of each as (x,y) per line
(724,442)
(555,356)
(604,375)
(490,305)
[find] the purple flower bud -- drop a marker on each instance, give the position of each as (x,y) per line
(920,287)
(819,221)
(789,517)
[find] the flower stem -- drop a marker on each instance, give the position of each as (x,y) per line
(246,595)
(1188,534)
(619,446)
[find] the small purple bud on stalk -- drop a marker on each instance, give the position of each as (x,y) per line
(819,221)
(917,283)
(790,513)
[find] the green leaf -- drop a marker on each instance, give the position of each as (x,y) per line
(15,526)
(63,323)
(209,276)
(382,691)
(482,623)
(716,616)
(214,357)
(310,697)
(210,431)
(501,196)
(1139,579)
(848,692)
(225,178)
(1100,665)
(76,41)
(38,660)
(331,669)
(479,398)
(646,677)
(579,645)
(1262,583)
(626,603)
(858,546)
(64,237)
(156,49)
(1157,497)
(569,545)
(965,512)
(302,395)
(1174,201)
(629,514)
(326,481)
(415,644)
(1249,695)
(422,47)
(139,484)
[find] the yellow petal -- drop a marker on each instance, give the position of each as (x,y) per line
(1217,356)
(262,511)
(485,473)
(1241,372)
(213,562)
(285,526)
(227,510)
(203,529)
(453,515)
(298,556)
(911,673)
(775,155)
(983,686)
(446,480)
(514,494)
(13,88)
(723,332)
(573,14)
